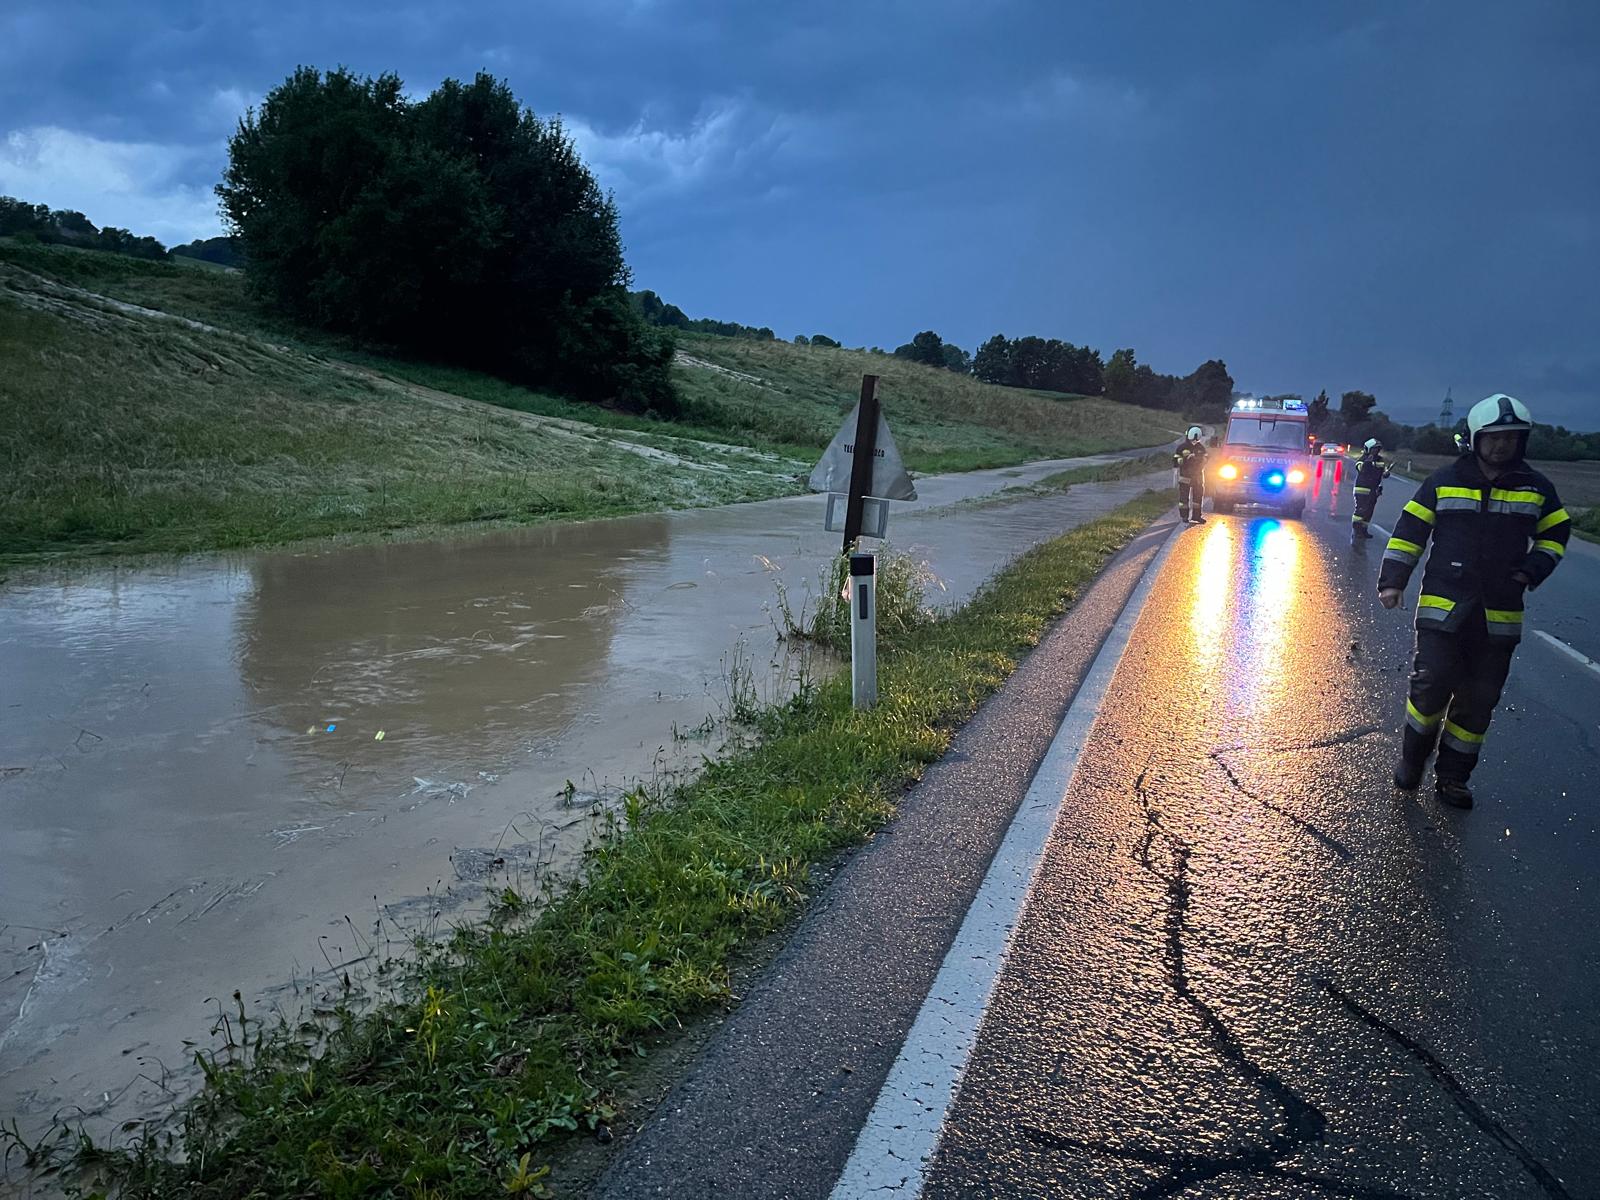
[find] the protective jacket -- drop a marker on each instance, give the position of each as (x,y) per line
(1190,459)
(1371,470)
(1483,532)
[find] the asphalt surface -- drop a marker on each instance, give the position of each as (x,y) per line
(1247,966)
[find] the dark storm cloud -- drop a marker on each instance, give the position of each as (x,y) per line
(1395,197)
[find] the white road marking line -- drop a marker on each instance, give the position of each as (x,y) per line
(896,1145)
(1569,651)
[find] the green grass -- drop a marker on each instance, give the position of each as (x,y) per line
(1587,524)
(521,1030)
(136,435)
(941,421)
(139,434)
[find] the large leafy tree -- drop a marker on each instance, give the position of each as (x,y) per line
(461,226)
(992,363)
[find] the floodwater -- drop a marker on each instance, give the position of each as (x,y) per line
(246,772)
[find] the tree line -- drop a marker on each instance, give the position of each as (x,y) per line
(1052,365)
(67,227)
(655,311)
(1358,418)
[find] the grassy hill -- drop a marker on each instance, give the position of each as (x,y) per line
(134,431)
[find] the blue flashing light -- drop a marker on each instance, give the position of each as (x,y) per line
(1272,480)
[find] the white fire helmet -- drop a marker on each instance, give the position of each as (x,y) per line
(1194,433)
(1374,444)
(1496,414)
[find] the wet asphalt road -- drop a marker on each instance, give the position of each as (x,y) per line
(1248,966)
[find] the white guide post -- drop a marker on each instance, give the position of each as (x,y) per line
(864,629)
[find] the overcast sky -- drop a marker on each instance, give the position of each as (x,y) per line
(1400,197)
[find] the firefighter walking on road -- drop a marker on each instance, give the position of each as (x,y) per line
(1498,529)
(1371,470)
(1190,460)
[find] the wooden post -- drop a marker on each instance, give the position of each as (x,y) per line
(862,453)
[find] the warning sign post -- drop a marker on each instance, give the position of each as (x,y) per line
(861,470)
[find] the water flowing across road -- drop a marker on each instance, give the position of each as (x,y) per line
(239,772)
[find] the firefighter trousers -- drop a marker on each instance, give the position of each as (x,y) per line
(1366,501)
(1456,680)
(1191,494)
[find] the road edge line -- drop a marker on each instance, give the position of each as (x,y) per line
(898,1141)
(1570,651)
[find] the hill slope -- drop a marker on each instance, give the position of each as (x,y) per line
(136,431)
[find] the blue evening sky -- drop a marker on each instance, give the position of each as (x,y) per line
(1400,197)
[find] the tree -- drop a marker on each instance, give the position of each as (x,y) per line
(992,363)
(1317,413)
(1208,390)
(1354,407)
(927,348)
(461,226)
(1119,376)
(956,359)
(822,339)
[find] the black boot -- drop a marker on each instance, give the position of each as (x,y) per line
(1452,792)
(1408,774)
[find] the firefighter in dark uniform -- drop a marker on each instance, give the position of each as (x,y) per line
(1371,470)
(1498,529)
(1190,460)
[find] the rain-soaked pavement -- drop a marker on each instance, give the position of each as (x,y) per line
(1247,966)
(196,798)
(1250,967)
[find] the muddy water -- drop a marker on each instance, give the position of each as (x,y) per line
(194,797)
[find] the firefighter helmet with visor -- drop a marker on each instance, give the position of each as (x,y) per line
(1498,413)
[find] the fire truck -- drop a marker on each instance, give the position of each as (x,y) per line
(1264,459)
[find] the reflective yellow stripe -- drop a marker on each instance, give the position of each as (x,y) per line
(1411,548)
(1421,512)
(1555,548)
(1516,497)
(1438,602)
(1553,519)
(1503,616)
(1465,735)
(1422,718)
(1461,493)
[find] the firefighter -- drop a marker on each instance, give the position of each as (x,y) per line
(1498,529)
(1461,444)
(1190,460)
(1371,470)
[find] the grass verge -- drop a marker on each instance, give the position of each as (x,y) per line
(128,434)
(523,1030)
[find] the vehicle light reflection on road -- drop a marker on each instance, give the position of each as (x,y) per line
(1269,604)
(1212,584)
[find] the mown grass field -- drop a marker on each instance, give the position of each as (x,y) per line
(521,1031)
(128,434)
(135,434)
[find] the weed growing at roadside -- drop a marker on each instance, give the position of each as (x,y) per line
(825,618)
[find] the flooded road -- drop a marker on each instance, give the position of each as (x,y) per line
(248,772)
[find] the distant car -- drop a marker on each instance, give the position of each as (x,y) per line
(1331,449)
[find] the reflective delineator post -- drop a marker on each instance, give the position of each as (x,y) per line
(863,630)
